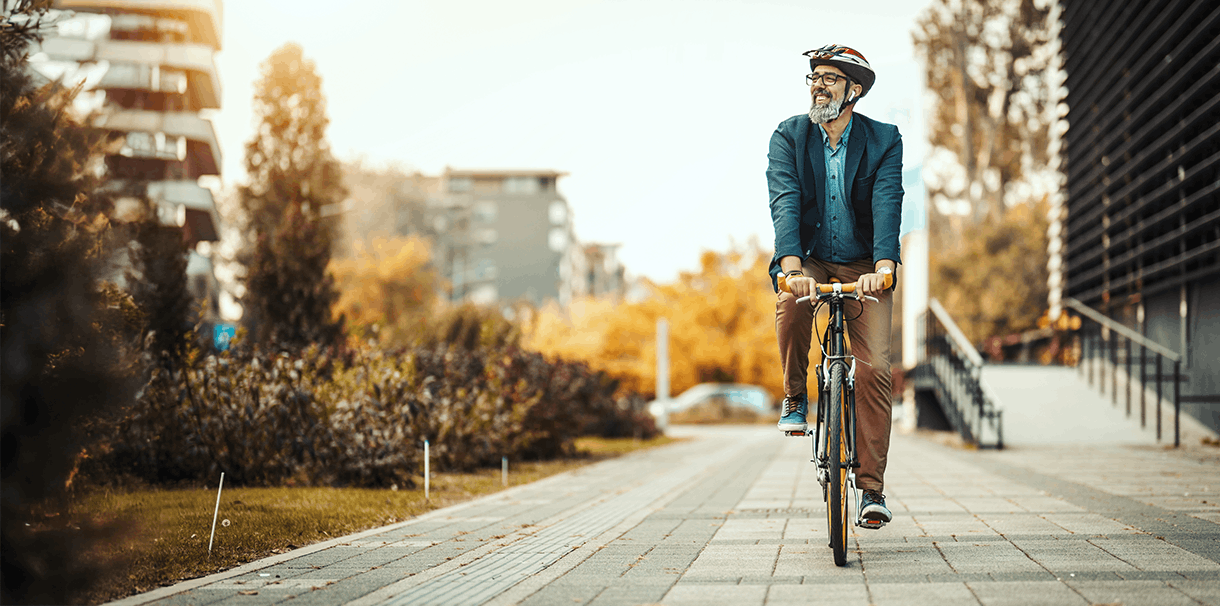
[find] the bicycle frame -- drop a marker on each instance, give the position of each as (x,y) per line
(833,345)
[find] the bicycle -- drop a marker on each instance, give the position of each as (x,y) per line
(835,432)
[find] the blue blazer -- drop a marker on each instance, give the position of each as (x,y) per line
(796,176)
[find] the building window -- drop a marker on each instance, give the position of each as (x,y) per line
(485,211)
(558,212)
(558,239)
(460,184)
(486,236)
(521,185)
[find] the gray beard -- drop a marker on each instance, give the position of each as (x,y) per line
(821,114)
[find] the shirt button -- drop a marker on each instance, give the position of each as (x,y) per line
(832,176)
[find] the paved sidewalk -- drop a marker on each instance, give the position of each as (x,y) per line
(734,516)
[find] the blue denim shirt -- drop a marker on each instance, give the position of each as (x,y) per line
(838,243)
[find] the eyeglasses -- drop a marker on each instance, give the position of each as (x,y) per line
(827,78)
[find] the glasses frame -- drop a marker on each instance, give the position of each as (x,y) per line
(816,77)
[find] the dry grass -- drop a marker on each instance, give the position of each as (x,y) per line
(167,540)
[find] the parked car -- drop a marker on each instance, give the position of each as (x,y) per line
(714,402)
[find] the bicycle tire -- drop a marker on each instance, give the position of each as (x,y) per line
(836,448)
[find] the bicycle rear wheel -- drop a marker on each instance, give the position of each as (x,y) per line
(836,448)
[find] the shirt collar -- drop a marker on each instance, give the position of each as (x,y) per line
(842,139)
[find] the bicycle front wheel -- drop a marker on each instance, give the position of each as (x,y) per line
(836,449)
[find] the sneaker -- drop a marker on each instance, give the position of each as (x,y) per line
(872,508)
(794,409)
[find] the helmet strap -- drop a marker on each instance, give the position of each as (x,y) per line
(847,97)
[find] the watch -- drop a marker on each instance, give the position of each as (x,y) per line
(884,270)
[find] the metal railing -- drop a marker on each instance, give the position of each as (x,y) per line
(1100,345)
(953,368)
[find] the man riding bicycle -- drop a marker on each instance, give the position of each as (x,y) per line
(835,182)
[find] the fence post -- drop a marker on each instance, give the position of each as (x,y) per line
(1089,338)
(1143,384)
(1158,397)
(1128,354)
(1177,402)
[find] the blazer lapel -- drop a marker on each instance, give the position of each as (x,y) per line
(817,161)
(855,151)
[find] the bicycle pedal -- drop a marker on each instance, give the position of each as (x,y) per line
(796,434)
(871,524)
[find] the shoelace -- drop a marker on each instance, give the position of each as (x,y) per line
(874,496)
(791,405)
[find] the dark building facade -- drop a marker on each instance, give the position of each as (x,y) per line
(1141,236)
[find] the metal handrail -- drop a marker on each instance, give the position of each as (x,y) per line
(1131,335)
(1094,351)
(959,337)
(953,368)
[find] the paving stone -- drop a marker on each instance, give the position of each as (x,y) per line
(901,594)
(684,594)
(1025,593)
(799,595)
(1145,593)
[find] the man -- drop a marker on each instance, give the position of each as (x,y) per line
(835,180)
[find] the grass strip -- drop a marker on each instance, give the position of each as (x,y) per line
(167,537)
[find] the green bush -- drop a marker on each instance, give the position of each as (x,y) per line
(313,419)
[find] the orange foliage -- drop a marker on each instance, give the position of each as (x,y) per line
(386,287)
(721,328)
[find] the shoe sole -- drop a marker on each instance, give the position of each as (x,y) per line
(792,426)
(873,514)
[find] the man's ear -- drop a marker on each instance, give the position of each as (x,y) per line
(856,89)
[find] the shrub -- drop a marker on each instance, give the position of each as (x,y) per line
(312,419)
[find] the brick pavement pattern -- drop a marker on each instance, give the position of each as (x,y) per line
(735,516)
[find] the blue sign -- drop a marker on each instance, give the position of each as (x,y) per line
(222,334)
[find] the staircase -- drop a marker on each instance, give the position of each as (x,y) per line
(1054,405)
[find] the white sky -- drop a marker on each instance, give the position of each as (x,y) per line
(660,110)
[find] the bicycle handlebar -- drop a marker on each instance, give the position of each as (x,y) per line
(849,287)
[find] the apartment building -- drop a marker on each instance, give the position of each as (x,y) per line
(149,74)
(503,236)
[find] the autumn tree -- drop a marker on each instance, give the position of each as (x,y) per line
(988,67)
(60,358)
(387,287)
(294,185)
(722,328)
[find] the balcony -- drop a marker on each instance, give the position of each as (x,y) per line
(139,66)
(202,147)
(204,17)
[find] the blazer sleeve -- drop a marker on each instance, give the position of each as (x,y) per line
(785,193)
(887,203)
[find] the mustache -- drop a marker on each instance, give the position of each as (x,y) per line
(823,91)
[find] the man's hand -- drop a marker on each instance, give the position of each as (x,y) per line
(800,286)
(871,284)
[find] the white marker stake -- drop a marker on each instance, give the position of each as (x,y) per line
(216,512)
(426,470)
(504,468)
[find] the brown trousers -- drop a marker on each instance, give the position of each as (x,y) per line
(869,336)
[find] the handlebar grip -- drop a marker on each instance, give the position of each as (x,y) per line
(782,282)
